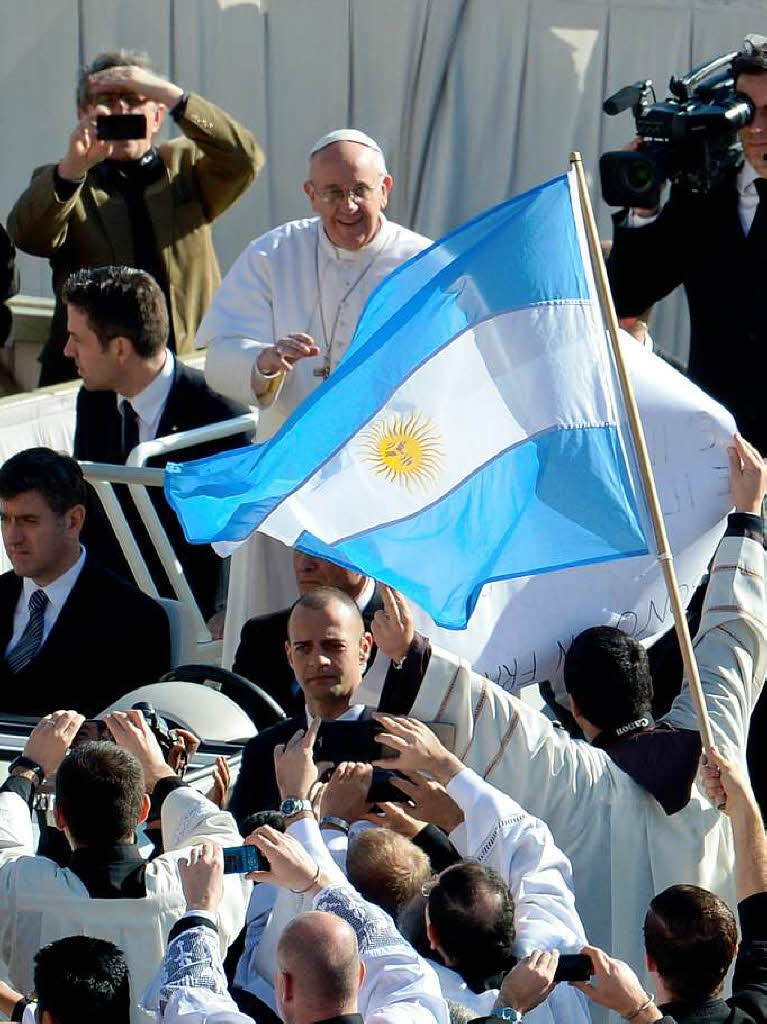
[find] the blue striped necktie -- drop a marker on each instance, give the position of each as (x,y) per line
(32,637)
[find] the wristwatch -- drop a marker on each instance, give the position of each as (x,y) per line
(294,805)
(22,761)
(506,1013)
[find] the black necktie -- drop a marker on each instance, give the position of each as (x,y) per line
(32,637)
(130,429)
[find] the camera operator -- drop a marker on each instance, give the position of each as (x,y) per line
(716,246)
(129,202)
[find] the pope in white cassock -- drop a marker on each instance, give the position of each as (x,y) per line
(284,316)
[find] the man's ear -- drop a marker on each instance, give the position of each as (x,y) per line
(158,118)
(144,812)
(288,653)
(60,823)
(366,645)
(362,975)
(431,935)
(285,985)
(652,967)
(76,518)
(386,185)
(121,347)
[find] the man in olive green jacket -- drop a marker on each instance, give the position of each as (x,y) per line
(128,202)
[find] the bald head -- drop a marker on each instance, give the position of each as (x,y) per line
(318,968)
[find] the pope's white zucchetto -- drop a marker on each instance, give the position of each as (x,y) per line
(347,135)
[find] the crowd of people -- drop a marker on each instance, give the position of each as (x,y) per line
(411,843)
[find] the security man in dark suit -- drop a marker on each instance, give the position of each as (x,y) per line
(261,655)
(68,629)
(716,247)
(135,390)
(328,648)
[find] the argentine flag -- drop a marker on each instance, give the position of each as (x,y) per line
(473,432)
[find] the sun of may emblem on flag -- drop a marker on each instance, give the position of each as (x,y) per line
(404,450)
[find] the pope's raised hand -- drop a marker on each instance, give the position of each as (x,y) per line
(285,353)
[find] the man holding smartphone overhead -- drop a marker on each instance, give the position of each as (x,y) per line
(116,198)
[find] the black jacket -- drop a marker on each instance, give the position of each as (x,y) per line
(256,787)
(108,639)
(699,243)
(261,654)
(98,438)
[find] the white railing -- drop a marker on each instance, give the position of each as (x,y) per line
(138,477)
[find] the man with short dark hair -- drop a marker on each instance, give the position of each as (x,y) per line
(691,936)
(67,627)
(130,202)
(103,794)
(78,980)
(135,390)
(470,922)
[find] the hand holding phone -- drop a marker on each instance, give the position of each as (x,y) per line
(241,860)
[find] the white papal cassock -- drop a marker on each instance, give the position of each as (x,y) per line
(623,847)
(291,279)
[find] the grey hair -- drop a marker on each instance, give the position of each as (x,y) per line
(109,59)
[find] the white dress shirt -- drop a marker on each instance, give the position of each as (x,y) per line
(57,594)
(150,403)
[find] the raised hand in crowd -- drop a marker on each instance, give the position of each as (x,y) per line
(132,731)
(418,749)
(85,149)
(429,801)
(185,746)
(748,476)
(529,982)
(294,767)
(392,626)
(290,866)
(218,793)
(397,818)
(346,794)
(615,986)
(202,877)
(726,785)
(50,740)
(135,81)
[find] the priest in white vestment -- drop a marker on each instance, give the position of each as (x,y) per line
(623,847)
(284,316)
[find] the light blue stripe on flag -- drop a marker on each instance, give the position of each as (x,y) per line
(471,434)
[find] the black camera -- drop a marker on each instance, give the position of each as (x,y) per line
(690,139)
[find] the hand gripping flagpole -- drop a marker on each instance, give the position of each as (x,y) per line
(664,555)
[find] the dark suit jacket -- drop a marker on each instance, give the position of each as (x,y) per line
(256,787)
(108,639)
(699,243)
(261,655)
(98,438)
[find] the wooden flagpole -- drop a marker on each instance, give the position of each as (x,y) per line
(661,540)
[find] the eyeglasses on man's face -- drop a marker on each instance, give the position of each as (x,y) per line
(360,193)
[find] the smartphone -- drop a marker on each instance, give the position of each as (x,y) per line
(351,741)
(92,729)
(573,967)
(382,790)
(240,860)
(113,127)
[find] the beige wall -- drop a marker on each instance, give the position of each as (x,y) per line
(471,99)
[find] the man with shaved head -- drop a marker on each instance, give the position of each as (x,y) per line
(285,315)
(319,971)
(328,648)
